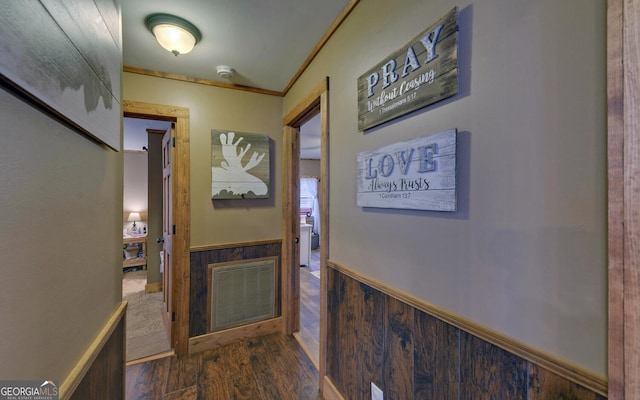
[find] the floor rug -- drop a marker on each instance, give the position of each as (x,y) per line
(146,335)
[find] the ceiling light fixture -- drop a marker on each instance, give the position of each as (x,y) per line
(175,34)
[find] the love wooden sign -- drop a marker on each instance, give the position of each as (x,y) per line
(420,73)
(419,174)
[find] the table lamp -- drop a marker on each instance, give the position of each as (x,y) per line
(134,216)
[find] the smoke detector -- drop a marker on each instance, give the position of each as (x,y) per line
(224,71)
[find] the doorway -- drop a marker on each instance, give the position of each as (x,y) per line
(310,220)
(176,291)
(142,286)
(315,103)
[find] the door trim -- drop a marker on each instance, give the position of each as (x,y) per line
(181,195)
(316,101)
(623,140)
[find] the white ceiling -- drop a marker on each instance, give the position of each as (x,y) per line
(310,139)
(264,41)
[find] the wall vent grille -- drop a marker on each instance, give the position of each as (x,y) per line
(241,292)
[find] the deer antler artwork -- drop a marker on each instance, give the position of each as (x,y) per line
(232,175)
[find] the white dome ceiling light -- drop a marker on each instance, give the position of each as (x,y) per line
(175,34)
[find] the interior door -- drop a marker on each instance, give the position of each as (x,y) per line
(167,231)
(291,226)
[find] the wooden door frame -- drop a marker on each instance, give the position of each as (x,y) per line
(181,195)
(315,102)
(623,100)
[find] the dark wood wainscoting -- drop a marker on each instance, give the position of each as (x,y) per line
(410,354)
(105,378)
(100,373)
(201,257)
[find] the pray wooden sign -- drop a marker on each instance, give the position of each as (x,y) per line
(420,73)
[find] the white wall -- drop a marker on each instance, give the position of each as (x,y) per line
(525,254)
(136,187)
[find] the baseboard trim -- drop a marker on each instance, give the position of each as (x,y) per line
(232,245)
(306,350)
(329,390)
(216,339)
(153,287)
(575,373)
(70,384)
(151,358)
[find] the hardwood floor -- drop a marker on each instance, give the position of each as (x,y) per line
(309,334)
(270,367)
(315,260)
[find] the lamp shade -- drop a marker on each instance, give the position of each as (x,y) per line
(134,216)
(175,34)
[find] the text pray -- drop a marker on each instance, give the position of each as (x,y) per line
(411,63)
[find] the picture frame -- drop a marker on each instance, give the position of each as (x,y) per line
(418,174)
(240,165)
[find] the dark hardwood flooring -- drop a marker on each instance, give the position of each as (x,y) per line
(309,332)
(269,367)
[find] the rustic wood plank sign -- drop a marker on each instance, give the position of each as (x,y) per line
(236,172)
(422,72)
(419,174)
(66,57)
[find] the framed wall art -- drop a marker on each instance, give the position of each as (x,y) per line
(239,165)
(419,174)
(422,72)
